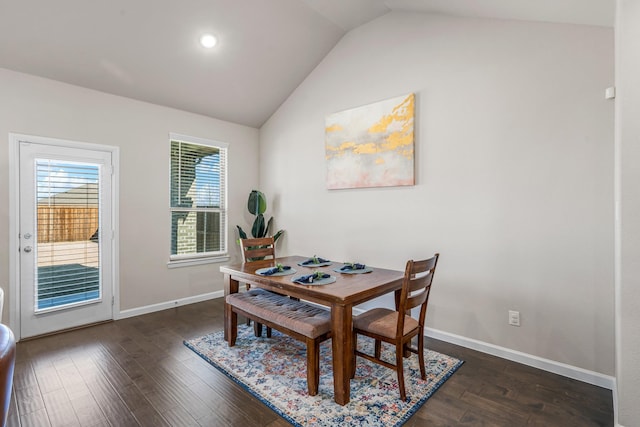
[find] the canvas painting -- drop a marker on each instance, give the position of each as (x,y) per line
(371,146)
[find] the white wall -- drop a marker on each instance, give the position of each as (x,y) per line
(514,169)
(35,106)
(628,218)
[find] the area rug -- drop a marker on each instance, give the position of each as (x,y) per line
(274,370)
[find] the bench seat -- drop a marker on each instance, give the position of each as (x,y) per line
(303,321)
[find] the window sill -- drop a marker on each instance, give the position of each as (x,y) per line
(196,261)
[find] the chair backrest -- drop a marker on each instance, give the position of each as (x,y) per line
(416,287)
(7,363)
(256,249)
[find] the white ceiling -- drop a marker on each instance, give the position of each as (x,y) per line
(148,49)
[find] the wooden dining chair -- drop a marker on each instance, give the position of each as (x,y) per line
(397,327)
(255,250)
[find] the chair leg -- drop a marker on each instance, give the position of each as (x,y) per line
(248,286)
(355,356)
(400,370)
(423,372)
(257,329)
(378,348)
(406,352)
(313,366)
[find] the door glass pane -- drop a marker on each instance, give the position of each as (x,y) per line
(68,250)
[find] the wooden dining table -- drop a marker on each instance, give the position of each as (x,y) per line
(341,296)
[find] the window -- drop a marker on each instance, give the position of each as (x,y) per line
(198,198)
(68,255)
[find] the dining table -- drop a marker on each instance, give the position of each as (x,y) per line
(348,290)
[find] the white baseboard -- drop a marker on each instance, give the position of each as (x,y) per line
(548,365)
(168,304)
(616,423)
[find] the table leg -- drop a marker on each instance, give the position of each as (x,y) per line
(230,287)
(342,342)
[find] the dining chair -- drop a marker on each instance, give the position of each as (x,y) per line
(255,250)
(7,363)
(398,327)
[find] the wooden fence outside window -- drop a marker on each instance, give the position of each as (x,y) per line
(66,223)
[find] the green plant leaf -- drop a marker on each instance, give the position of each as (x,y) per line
(266,230)
(257,203)
(278,234)
(258,227)
(241,232)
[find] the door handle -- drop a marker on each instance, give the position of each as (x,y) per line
(27,249)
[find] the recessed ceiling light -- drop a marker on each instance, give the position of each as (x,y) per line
(208,41)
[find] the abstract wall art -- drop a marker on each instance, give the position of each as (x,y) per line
(372,145)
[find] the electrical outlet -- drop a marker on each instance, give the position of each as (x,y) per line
(514,318)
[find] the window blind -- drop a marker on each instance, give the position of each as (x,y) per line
(68,253)
(198,200)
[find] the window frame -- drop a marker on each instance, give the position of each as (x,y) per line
(181,260)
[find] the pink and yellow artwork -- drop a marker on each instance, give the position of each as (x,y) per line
(371,146)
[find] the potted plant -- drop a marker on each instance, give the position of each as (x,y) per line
(257,205)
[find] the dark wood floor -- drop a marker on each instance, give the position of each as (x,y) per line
(137,372)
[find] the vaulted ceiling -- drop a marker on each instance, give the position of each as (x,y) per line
(149,50)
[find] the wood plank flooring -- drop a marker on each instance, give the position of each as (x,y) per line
(136,371)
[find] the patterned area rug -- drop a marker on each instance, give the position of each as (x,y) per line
(274,370)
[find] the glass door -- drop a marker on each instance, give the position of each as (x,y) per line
(65,237)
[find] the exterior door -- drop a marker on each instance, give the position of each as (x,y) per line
(65,235)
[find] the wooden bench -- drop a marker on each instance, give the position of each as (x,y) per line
(305,322)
